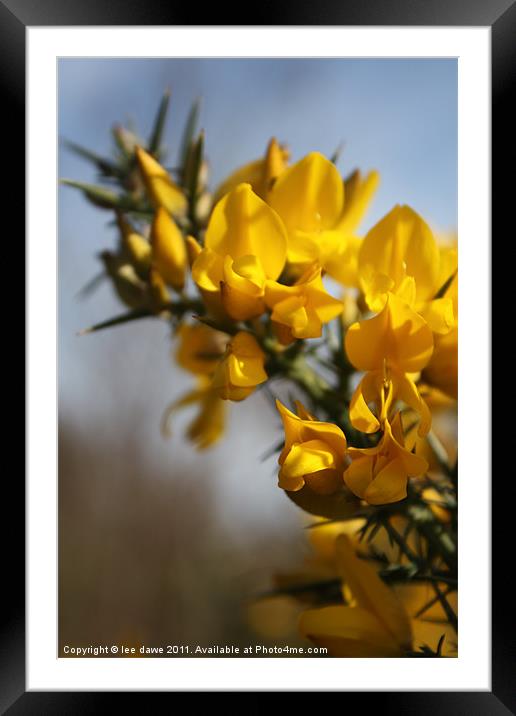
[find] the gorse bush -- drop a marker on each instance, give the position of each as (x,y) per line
(242,273)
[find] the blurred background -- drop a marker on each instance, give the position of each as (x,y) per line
(160,544)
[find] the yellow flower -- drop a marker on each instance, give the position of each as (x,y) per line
(321,213)
(377,624)
(379,474)
(399,255)
(384,388)
(168,249)
(314,452)
(340,247)
(309,197)
(245,246)
(200,348)
(241,368)
(162,191)
(393,343)
(260,174)
(323,537)
(299,311)
(442,369)
(199,351)
(208,426)
(358,191)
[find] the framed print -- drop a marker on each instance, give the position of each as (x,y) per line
(256,429)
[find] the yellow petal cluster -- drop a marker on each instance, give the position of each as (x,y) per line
(241,368)
(314,452)
(379,474)
(400,255)
(376,626)
(377,620)
(320,218)
(299,311)
(245,245)
(199,352)
(388,347)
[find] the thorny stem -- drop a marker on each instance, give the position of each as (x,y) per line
(450,614)
(402,544)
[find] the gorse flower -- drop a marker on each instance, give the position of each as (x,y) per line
(397,336)
(199,351)
(245,245)
(200,348)
(400,255)
(299,311)
(379,474)
(241,368)
(389,346)
(209,424)
(320,217)
(377,623)
(309,198)
(314,452)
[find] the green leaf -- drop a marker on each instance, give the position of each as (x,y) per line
(156,136)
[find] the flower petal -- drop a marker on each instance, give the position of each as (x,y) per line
(305,458)
(367,391)
(372,594)
(389,485)
(348,632)
(359,475)
(242,224)
(309,195)
(402,244)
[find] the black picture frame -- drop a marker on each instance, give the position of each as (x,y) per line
(15,17)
